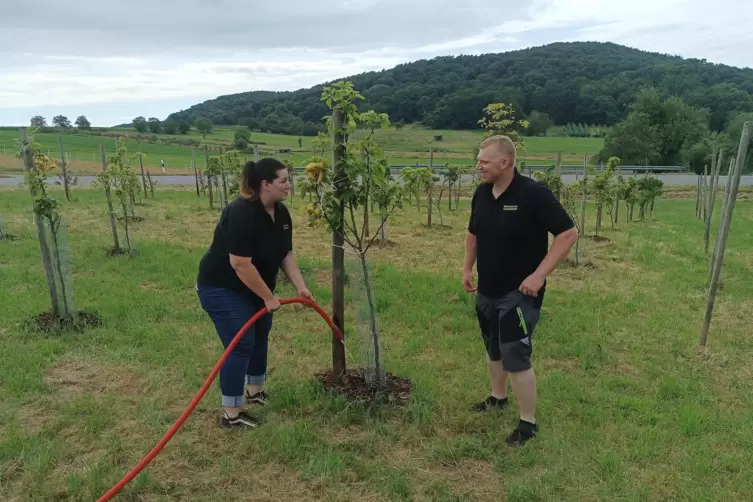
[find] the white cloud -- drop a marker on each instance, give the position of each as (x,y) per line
(75,55)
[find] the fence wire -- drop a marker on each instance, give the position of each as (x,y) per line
(369,349)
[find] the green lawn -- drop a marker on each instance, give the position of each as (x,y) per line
(629,408)
(407,146)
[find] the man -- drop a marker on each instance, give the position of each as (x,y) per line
(507,238)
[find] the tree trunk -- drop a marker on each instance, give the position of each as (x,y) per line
(209,179)
(195,172)
(143,176)
(338,240)
(113,225)
(64,167)
(383,233)
(428,219)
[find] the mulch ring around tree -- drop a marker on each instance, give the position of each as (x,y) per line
(112,252)
(50,323)
(354,386)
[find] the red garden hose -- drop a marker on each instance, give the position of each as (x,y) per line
(178,423)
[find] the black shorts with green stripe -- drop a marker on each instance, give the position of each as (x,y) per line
(507,325)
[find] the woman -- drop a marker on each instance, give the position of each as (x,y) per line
(237,277)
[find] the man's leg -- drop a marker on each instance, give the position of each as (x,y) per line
(516,356)
(486,313)
(524,388)
(498,378)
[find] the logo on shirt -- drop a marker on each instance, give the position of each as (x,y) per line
(285,226)
(509,208)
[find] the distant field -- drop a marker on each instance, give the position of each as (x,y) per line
(407,146)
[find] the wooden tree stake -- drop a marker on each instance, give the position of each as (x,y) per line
(338,241)
(724,231)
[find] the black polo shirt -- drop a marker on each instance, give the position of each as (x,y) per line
(246,229)
(512,232)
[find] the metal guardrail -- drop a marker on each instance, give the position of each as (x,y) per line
(574,168)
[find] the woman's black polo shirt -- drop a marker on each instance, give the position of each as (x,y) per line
(246,229)
(512,232)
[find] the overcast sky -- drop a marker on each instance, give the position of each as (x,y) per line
(112,60)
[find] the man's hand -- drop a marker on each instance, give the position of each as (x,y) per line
(532,285)
(305,293)
(468,284)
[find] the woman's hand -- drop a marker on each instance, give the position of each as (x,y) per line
(305,293)
(272,304)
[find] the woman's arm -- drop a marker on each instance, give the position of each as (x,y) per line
(290,267)
(250,276)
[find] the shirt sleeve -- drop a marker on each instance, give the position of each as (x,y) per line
(549,212)
(238,231)
(472,219)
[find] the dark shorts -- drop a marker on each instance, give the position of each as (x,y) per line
(507,325)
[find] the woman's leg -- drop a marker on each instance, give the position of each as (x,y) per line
(229,311)
(256,372)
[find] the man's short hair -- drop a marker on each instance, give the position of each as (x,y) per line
(503,143)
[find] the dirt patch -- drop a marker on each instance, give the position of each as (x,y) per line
(50,323)
(75,376)
(150,286)
(470,479)
(354,386)
(323,277)
(34,418)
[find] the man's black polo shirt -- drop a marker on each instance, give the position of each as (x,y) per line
(246,229)
(512,232)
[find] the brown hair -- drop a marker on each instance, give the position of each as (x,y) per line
(256,172)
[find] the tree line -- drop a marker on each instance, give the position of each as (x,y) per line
(562,83)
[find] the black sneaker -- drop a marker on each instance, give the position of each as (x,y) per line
(260,398)
(243,420)
(522,433)
(490,403)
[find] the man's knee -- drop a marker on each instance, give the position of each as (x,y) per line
(516,356)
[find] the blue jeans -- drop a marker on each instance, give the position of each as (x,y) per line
(247,363)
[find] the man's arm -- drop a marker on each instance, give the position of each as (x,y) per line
(470,250)
(470,259)
(558,253)
(551,215)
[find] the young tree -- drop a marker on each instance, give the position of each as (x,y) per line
(453,180)
(123,182)
(499,118)
(49,227)
(603,189)
(359,170)
(649,188)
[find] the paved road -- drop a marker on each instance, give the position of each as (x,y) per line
(668,179)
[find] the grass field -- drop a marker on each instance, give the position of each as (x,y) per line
(629,408)
(407,146)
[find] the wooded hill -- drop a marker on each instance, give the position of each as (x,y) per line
(581,82)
